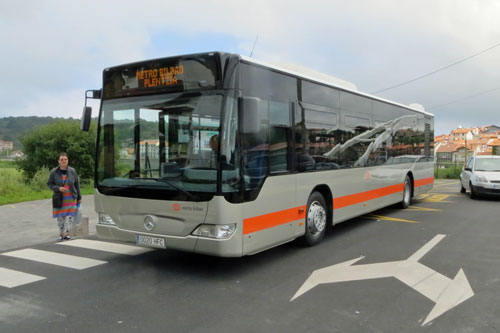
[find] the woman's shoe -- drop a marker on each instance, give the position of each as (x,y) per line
(67,237)
(60,238)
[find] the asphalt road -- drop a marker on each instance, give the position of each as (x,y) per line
(444,233)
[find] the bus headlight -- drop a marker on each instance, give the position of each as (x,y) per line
(106,219)
(218,231)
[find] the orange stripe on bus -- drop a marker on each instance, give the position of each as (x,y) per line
(356,198)
(266,221)
(424,181)
(274,219)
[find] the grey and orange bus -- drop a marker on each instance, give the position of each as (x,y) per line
(221,154)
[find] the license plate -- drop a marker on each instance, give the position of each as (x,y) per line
(496,187)
(150,241)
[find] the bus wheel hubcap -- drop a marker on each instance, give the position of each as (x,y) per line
(407,192)
(316,218)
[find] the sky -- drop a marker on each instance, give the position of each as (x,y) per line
(52,51)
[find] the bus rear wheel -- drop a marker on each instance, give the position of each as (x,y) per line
(316,219)
(405,203)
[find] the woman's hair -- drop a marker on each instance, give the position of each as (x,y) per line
(62,154)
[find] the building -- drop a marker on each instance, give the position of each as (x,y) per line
(441,139)
(444,152)
(495,146)
(462,153)
(453,152)
(465,142)
(150,148)
(460,134)
(479,145)
(6,145)
(490,129)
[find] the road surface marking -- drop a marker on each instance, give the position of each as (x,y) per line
(446,184)
(423,209)
(10,278)
(107,246)
(436,197)
(53,258)
(443,291)
(387,218)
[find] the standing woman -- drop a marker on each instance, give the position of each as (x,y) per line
(64,179)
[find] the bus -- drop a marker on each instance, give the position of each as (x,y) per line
(221,154)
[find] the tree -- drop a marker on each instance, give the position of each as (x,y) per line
(43,145)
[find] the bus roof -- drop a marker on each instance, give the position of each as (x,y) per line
(332,82)
(298,71)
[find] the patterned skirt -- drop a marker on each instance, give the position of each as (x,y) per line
(68,208)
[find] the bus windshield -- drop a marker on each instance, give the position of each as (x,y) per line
(167,144)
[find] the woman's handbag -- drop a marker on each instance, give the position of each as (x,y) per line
(57,199)
(78,216)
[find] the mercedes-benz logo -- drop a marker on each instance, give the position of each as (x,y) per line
(149,222)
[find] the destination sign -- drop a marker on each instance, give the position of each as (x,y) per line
(159,77)
(178,74)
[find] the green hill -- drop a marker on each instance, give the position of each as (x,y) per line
(13,128)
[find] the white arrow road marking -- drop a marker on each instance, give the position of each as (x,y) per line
(443,291)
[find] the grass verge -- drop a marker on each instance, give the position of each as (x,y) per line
(14,189)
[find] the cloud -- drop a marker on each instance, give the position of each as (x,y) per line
(67,103)
(53,49)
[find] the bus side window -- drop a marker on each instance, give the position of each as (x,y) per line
(255,151)
(279,126)
(314,138)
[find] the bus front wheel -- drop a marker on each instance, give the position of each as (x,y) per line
(316,219)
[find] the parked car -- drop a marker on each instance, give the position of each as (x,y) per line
(481,176)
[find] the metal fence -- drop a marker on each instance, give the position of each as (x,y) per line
(447,170)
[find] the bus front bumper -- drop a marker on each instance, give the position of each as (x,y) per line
(231,247)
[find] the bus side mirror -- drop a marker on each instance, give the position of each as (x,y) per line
(87,110)
(86,118)
(249,115)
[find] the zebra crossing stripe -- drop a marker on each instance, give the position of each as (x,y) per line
(53,258)
(10,278)
(107,246)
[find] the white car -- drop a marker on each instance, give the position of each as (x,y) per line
(481,176)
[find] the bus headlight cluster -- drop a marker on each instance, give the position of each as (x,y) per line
(218,231)
(106,219)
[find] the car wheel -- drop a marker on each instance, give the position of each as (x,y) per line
(473,194)
(407,189)
(462,188)
(316,219)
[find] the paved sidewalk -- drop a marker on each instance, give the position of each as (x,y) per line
(30,223)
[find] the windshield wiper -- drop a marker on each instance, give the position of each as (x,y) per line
(189,194)
(132,186)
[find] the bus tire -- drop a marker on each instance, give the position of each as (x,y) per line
(407,190)
(316,219)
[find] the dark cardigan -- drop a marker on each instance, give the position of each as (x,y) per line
(55,181)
